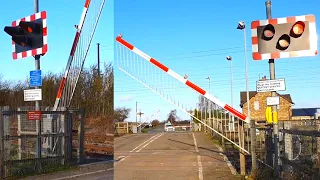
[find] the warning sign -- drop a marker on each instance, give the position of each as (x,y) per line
(271,85)
(34,115)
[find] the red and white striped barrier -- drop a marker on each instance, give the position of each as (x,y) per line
(73,49)
(183,80)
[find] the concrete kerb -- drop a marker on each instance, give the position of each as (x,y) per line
(232,169)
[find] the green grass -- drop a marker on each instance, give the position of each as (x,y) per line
(27,169)
(145,130)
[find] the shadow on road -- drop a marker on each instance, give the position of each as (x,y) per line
(199,147)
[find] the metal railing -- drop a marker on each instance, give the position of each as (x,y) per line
(27,148)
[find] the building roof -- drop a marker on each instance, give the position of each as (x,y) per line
(304,111)
(243,96)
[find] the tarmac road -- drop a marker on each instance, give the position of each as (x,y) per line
(171,155)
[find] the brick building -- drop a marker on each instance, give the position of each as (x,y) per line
(258,105)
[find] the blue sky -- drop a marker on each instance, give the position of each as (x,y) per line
(194,37)
(61,18)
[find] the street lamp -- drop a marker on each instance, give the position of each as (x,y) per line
(231,123)
(242,26)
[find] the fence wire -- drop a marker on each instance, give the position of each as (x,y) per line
(74,69)
(203,111)
(27,148)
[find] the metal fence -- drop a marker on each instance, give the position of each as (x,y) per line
(299,142)
(34,146)
(299,149)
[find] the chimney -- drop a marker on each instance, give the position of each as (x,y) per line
(264,78)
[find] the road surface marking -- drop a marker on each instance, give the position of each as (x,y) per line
(198,158)
(143,143)
(84,174)
(122,158)
(119,159)
(149,142)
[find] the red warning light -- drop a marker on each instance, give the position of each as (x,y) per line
(268,32)
(297,29)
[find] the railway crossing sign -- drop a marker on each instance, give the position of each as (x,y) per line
(271,85)
(284,37)
(29,35)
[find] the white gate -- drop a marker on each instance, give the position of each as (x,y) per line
(163,81)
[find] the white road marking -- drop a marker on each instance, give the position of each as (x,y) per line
(120,158)
(149,142)
(84,174)
(143,143)
(198,158)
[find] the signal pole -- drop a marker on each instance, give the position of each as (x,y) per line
(37,108)
(274,107)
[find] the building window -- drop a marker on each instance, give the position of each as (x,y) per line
(256,105)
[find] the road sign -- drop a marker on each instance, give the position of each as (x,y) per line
(35,78)
(32,95)
(34,115)
(271,85)
(271,101)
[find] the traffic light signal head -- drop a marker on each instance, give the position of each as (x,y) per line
(284,37)
(29,35)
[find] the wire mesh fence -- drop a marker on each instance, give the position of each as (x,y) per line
(34,146)
(299,148)
(180,91)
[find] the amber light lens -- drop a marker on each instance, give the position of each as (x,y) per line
(283,42)
(297,29)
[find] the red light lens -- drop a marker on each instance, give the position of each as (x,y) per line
(268,32)
(297,29)
(29,29)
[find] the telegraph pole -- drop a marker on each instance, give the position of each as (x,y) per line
(274,107)
(98,50)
